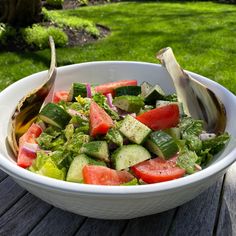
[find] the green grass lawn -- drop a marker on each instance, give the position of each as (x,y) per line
(202,35)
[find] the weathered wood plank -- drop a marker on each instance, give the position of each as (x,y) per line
(198,216)
(101,227)
(157,224)
(58,222)
(10,192)
(3,175)
(226,224)
(23,216)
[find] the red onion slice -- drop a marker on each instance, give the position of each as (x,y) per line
(89,91)
(77,113)
(109,102)
(73,112)
(30,147)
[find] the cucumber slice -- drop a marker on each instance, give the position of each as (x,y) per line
(75,172)
(76,90)
(160,103)
(129,103)
(145,88)
(134,130)
(156,93)
(128,90)
(54,115)
(162,144)
(129,155)
(115,137)
(96,149)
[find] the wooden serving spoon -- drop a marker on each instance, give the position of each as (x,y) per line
(29,106)
(198,101)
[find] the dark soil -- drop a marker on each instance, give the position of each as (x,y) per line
(76,36)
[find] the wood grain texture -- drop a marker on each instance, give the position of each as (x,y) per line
(22,217)
(3,175)
(58,222)
(101,227)
(157,224)
(10,192)
(226,224)
(198,216)
(23,214)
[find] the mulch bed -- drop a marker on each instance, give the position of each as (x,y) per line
(76,37)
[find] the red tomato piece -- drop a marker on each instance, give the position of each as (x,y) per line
(25,158)
(163,117)
(101,175)
(100,121)
(158,170)
(60,96)
(110,87)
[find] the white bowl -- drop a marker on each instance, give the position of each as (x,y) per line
(113,202)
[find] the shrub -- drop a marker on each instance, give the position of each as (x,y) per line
(83,2)
(6,32)
(60,37)
(37,36)
(72,21)
(55,2)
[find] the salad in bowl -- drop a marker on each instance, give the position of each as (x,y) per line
(117,133)
(44,170)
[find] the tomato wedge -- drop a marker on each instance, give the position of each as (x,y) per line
(163,117)
(60,96)
(100,121)
(158,170)
(110,87)
(101,175)
(25,158)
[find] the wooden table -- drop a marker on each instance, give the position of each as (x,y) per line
(211,213)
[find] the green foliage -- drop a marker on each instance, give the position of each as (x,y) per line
(38,36)
(202,35)
(84,2)
(55,2)
(6,32)
(71,21)
(46,14)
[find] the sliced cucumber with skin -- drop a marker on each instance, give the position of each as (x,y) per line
(145,88)
(162,144)
(129,155)
(96,149)
(54,115)
(75,172)
(128,90)
(156,93)
(129,103)
(134,130)
(115,137)
(76,90)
